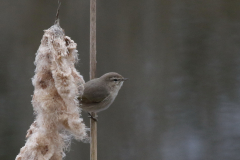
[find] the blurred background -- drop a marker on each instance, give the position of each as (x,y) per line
(182,58)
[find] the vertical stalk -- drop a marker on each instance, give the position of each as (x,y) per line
(93,124)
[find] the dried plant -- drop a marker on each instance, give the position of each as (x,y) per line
(57,85)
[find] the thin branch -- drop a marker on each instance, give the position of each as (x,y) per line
(93,123)
(58,10)
(92,39)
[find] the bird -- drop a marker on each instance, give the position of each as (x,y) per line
(100,93)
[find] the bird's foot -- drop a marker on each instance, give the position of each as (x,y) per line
(94,118)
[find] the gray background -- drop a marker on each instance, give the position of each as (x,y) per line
(182,58)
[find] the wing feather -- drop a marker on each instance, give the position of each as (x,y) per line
(94,92)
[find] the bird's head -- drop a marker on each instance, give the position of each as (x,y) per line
(113,80)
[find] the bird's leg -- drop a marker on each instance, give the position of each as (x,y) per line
(94,118)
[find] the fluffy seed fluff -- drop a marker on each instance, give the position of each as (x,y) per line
(57,84)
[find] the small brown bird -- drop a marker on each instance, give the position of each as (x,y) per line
(100,93)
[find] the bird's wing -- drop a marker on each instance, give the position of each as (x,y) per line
(94,93)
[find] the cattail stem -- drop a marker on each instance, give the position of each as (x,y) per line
(93,123)
(93,145)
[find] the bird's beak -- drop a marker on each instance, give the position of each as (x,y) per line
(124,79)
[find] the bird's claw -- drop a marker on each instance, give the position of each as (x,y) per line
(94,118)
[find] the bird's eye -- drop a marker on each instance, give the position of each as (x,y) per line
(115,79)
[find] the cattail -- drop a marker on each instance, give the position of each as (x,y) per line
(57,85)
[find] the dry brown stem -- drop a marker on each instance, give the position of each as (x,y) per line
(93,66)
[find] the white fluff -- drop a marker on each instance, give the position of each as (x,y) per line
(57,85)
